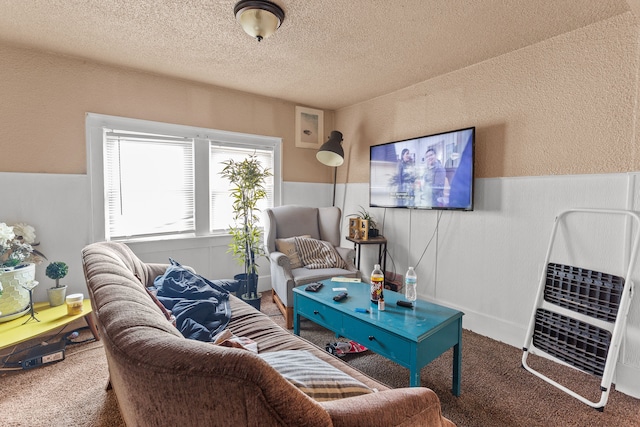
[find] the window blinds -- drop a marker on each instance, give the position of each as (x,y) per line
(149,185)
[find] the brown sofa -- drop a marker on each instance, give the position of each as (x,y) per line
(162,378)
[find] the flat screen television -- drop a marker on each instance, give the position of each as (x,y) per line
(428,172)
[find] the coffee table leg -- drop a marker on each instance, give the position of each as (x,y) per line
(457,362)
(414,376)
(296,322)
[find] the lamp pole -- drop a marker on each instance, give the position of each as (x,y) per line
(335,179)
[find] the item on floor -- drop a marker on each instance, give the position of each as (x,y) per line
(580,314)
(341,348)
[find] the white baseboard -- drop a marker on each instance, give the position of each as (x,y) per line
(631,383)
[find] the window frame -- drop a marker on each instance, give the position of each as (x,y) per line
(96,123)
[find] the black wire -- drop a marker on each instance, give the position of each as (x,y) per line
(6,364)
(71,342)
(386,250)
(432,236)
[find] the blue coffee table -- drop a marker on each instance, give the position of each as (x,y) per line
(411,337)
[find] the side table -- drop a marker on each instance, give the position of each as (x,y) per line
(50,318)
(382,249)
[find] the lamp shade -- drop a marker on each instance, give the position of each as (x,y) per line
(331,152)
(258,18)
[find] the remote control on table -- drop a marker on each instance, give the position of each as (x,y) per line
(407,304)
(313,287)
(340,296)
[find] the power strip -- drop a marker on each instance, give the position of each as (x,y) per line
(44,354)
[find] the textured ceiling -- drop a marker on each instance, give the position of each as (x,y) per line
(327,54)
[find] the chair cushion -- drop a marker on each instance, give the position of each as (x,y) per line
(288,247)
(313,376)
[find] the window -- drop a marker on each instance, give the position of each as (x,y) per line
(153,180)
(221,215)
(149,185)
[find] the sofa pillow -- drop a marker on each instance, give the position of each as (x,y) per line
(316,254)
(288,247)
(314,377)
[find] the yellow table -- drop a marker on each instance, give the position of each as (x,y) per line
(50,318)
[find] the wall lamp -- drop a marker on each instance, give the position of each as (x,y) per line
(258,18)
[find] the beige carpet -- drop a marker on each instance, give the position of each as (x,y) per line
(496,390)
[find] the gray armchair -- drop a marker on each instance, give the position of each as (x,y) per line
(292,221)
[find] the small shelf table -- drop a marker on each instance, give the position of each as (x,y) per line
(382,249)
(50,318)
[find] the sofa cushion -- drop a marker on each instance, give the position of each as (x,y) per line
(288,247)
(316,254)
(314,377)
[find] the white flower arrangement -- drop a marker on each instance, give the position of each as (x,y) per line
(17,245)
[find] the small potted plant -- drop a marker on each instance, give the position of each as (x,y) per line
(373,226)
(56,271)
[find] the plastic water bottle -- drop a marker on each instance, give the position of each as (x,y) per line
(377,282)
(410,281)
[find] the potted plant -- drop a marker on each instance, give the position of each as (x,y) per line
(56,271)
(247,178)
(373,225)
(18,258)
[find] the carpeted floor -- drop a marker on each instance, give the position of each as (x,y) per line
(496,390)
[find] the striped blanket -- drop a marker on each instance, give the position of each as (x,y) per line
(316,254)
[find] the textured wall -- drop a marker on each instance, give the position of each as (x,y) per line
(45,98)
(563,106)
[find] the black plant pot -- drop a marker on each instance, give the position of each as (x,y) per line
(374,232)
(253,302)
(243,289)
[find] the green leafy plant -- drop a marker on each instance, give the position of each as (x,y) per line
(248,178)
(56,271)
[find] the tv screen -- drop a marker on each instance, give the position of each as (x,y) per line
(429,172)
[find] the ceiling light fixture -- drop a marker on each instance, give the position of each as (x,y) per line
(258,18)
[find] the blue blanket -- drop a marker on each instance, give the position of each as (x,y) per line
(201,307)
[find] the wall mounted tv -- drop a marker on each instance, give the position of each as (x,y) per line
(428,172)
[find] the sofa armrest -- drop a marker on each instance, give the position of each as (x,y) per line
(410,406)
